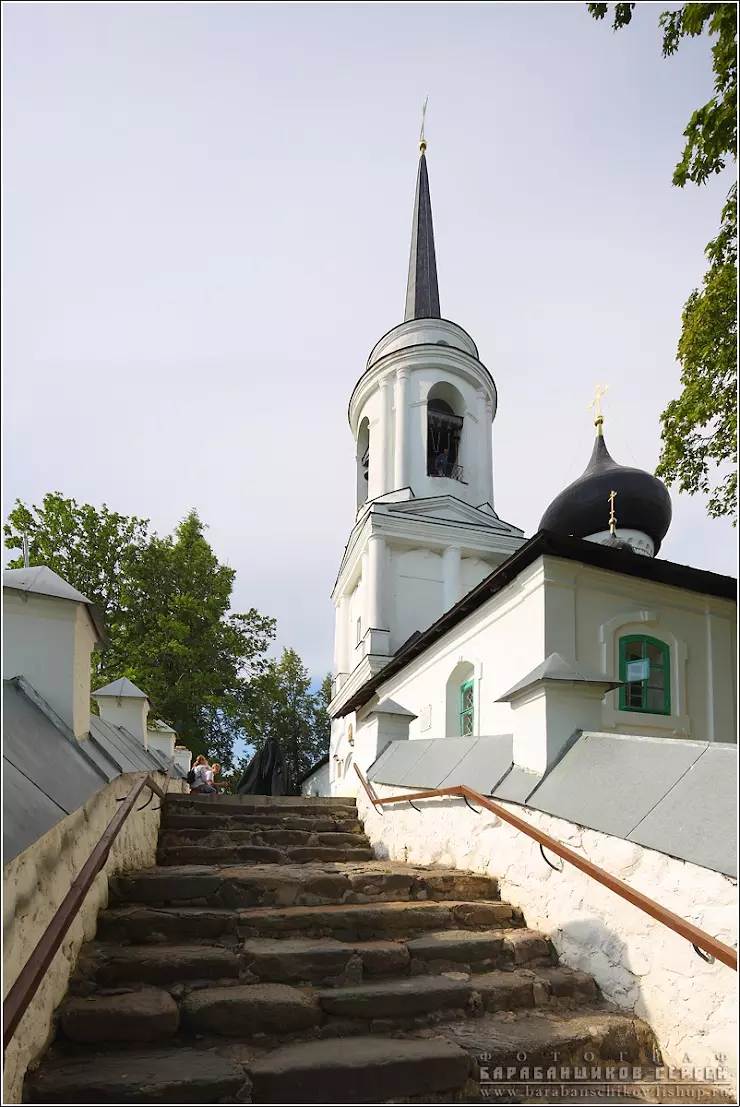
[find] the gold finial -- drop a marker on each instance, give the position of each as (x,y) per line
(601,391)
(422,140)
(612,517)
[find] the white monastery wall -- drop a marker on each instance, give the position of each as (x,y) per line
(318,783)
(638,963)
(34,885)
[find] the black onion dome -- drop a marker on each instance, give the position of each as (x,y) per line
(642,501)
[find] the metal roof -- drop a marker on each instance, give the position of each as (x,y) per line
(556,667)
(48,774)
(121,688)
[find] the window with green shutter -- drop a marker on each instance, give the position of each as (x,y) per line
(466,709)
(646,664)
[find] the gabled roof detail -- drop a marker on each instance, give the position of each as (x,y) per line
(556,667)
(122,688)
(43,581)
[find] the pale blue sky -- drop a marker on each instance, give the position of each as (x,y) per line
(207,218)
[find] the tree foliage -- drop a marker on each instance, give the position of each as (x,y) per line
(166,605)
(283,708)
(700,427)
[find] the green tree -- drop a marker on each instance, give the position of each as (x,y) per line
(699,429)
(284,708)
(166,606)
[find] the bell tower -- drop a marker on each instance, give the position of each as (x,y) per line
(425,530)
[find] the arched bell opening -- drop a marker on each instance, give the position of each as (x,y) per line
(363,461)
(445,407)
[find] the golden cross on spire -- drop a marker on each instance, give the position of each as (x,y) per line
(601,391)
(612,517)
(422,140)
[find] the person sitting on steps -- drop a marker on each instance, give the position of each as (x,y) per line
(203,773)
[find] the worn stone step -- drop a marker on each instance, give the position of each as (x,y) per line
(255,805)
(266,855)
(321,960)
(244,1011)
(395,999)
(149,1015)
(531,1038)
(110,965)
(353,922)
(173,819)
(264,836)
(154,1076)
(285,885)
(477,951)
(363,1070)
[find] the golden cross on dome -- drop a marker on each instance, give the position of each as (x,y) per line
(601,391)
(612,517)
(422,140)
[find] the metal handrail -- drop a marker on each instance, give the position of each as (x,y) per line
(698,938)
(25,987)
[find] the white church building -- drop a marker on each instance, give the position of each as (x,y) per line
(450,625)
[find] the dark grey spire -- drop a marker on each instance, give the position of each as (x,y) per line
(422,291)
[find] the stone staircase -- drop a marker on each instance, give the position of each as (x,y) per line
(269,958)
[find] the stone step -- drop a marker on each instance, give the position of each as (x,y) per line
(255,805)
(530,1039)
(284,885)
(111,966)
(364,1070)
(246,1011)
(261,836)
(395,999)
(174,819)
(360,922)
(264,855)
(154,1076)
(150,1015)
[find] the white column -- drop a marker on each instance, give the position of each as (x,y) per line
(376,562)
(379,461)
(401,468)
(338,638)
(478,478)
(345,665)
(489,444)
(451,576)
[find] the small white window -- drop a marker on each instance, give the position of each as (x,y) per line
(359,631)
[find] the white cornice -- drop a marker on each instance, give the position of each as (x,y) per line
(367,668)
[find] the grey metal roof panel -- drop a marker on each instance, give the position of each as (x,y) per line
(609,782)
(123,747)
(380,761)
(557,667)
(438,762)
(695,820)
(403,756)
(390,707)
(484,764)
(59,776)
(121,688)
(28,813)
(517,785)
(44,581)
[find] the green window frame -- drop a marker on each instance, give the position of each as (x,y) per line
(467,709)
(651,692)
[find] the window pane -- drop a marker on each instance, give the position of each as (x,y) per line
(467,697)
(633,651)
(634,695)
(657,679)
(655,699)
(655,653)
(466,724)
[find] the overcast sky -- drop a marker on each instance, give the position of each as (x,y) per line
(207,219)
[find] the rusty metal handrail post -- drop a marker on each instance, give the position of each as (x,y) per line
(26,985)
(726,954)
